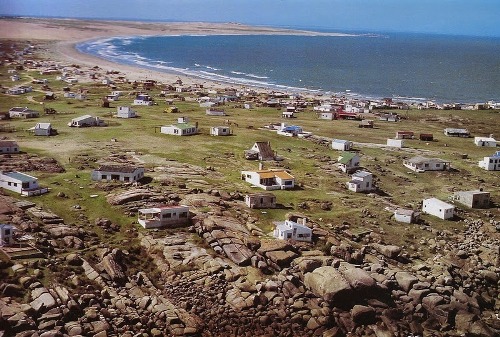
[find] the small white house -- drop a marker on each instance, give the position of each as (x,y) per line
(485,141)
(20,112)
(8,146)
(85,120)
(287,114)
(290,230)
(118,173)
(438,208)
(491,163)
(6,235)
(361,181)
(422,164)
(273,179)
(166,216)
(342,145)
(21,183)
(182,128)
(399,143)
(220,131)
(348,161)
(125,112)
(405,215)
(42,129)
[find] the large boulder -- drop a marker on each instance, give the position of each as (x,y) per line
(327,282)
(356,277)
(405,280)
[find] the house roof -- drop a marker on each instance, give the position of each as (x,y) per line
(265,149)
(259,195)
(159,209)
(453,130)
(274,173)
(362,174)
(43,126)
(184,126)
(19,176)
(81,118)
(439,203)
(345,157)
(341,141)
(118,168)
(402,211)
(422,160)
(7,143)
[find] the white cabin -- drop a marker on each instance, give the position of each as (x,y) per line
(361,181)
(220,131)
(399,143)
(125,112)
(438,208)
(405,215)
(485,141)
(118,173)
(21,183)
(290,230)
(85,120)
(342,145)
(273,179)
(491,163)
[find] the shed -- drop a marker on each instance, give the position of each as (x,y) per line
(405,215)
(342,145)
(220,131)
(260,200)
(399,143)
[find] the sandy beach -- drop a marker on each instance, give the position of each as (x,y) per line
(62,36)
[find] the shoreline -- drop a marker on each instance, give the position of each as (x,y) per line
(67,34)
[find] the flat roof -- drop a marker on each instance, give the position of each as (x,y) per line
(439,203)
(19,176)
(6,143)
(118,168)
(362,174)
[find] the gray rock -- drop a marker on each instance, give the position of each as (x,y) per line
(405,280)
(362,314)
(327,282)
(389,251)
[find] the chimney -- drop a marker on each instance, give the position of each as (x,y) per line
(261,166)
(304,221)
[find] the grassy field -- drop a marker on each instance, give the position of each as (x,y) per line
(311,164)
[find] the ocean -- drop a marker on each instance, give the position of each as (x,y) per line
(408,67)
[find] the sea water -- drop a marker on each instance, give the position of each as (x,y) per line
(409,67)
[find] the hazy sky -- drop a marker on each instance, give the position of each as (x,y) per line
(460,17)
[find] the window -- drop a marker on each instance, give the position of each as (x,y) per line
(167,216)
(288,182)
(426,165)
(126,178)
(103,176)
(183,214)
(176,131)
(15,184)
(7,231)
(9,183)
(438,165)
